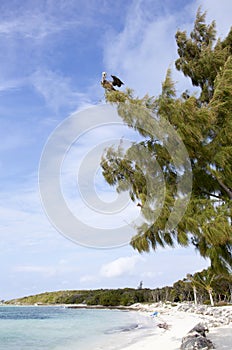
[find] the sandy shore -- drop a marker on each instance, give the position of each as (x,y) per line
(221,337)
(180,323)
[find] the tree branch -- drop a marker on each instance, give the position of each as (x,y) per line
(225,188)
(210,194)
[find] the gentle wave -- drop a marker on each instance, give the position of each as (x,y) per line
(127,328)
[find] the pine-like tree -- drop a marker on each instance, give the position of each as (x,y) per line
(204,124)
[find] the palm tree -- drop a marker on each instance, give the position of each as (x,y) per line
(189,278)
(205,279)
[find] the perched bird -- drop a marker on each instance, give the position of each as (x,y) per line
(109,85)
(139,205)
(106,83)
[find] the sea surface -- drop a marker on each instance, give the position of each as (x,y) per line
(59,328)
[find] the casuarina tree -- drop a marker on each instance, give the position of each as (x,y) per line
(203,122)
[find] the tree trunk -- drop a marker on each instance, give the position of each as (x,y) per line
(226,189)
(211,297)
(230,288)
(195,295)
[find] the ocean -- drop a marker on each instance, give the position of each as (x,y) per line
(59,328)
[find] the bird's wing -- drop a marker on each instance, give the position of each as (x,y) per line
(116,81)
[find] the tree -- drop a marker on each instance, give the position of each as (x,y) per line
(204,125)
(190,279)
(222,286)
(205,280)
(182,291)
(199,59)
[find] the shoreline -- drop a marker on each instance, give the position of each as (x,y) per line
(77,306)
(181,319)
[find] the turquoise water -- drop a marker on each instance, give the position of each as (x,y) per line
(59,328)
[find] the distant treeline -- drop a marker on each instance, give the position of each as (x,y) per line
(183,290)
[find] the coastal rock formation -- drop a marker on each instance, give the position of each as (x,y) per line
(213,316)
(196,339)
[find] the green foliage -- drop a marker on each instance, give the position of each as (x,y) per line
(219,285)
(198,58)
(104,297)
(204,124)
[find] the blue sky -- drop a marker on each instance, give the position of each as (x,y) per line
(52,55)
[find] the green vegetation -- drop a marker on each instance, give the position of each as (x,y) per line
(220,290)
(106,297)
(204,124)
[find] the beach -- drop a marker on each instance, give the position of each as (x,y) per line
(180,323)
(135,327)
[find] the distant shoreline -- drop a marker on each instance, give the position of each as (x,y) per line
(79,306)
(85,306)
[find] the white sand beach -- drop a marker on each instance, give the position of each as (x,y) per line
(221,337)
(180,323)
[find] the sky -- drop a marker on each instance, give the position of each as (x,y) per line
(52,55)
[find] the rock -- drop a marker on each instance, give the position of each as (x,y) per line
(163,325)
(196,341)
(200,328)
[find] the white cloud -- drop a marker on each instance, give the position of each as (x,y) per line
(117,268)
(57,90)
(142,52)
(10,84)
(23,223)
(47,271)
(120,266)
(35,25)
(29,36)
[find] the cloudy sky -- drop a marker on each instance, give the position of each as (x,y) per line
(52,55)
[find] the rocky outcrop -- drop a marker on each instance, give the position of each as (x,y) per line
(213,316)
(196,339)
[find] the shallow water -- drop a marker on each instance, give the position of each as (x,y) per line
(59,328)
